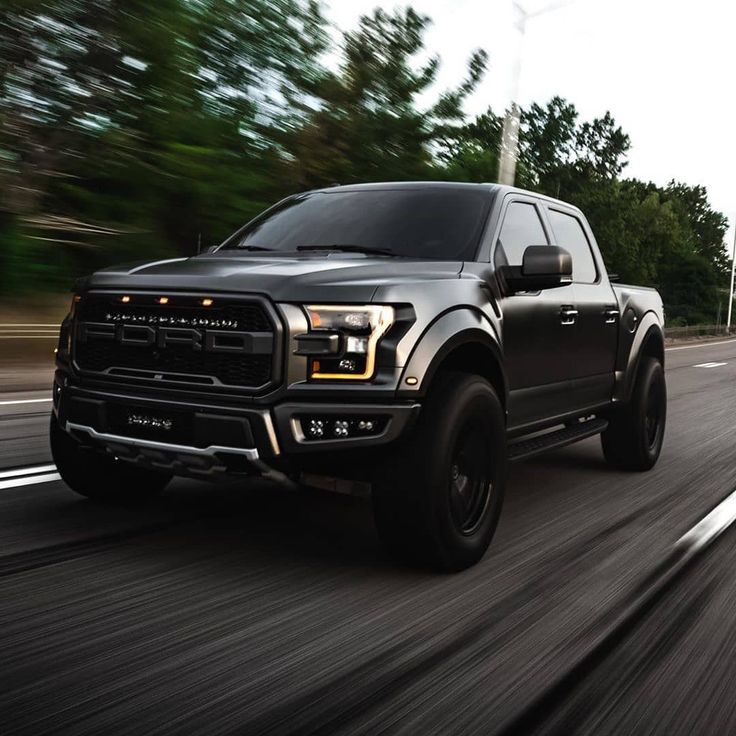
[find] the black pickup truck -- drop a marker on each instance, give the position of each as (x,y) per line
(406,338)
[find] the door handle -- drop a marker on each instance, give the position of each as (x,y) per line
(611,315)
(568,314)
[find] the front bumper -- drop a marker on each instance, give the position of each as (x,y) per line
(198,439)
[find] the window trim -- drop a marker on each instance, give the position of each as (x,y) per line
(572,213)
(522,199)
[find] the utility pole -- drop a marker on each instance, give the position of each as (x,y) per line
(730,291)
(509,152)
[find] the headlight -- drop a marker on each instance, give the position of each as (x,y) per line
(358,330)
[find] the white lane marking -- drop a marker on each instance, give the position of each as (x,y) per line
(711,526)
(24,401)
(38,469)
(708,365)
(29,480)
(702,345)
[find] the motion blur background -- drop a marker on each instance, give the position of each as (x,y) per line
(141,129)
(136,130)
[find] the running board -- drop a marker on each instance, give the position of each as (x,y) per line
(523,449)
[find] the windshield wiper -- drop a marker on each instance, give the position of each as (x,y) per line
(349,248)
(252,247)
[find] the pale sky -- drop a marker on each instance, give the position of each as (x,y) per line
(664,68)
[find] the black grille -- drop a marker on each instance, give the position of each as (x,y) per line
(175,363)
(249,316)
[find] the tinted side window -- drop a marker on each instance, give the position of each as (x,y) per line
(570,235)
(521,228)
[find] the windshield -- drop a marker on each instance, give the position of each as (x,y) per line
(432,223)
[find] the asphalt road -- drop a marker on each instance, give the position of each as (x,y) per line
(249,610)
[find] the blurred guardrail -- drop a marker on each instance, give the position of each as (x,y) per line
(678,333)
(28,331)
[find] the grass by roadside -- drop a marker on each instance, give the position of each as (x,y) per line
(704,339)
(696,332)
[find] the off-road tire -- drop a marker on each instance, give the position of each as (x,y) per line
(633,439)
(438,496)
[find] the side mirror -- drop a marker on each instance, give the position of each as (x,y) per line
(542,267)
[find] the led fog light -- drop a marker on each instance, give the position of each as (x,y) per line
(341,427)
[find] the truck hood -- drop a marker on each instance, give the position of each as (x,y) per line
(352,277)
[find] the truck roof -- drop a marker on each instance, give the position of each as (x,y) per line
(409,185)
(501,189)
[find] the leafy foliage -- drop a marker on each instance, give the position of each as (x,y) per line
(131,129)
(365,125)
(668,237)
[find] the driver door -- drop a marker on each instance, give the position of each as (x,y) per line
(538,327)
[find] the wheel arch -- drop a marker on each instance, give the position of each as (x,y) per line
(653,345)
(648,342)
(461,340)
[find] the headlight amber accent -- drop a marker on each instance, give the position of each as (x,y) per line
(362,327)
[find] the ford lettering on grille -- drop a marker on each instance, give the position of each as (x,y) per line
(213,341)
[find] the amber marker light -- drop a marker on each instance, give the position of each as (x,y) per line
(124,299)
(314,318)
(163,300)
(207,302)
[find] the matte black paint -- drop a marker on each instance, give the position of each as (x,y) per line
(553,354)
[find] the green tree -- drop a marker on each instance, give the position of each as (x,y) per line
(143,124)
(133,129)
(365,124)
(471,152)
(709,227)
(664,237)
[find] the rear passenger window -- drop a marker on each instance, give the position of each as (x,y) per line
(570,235)
(521,228)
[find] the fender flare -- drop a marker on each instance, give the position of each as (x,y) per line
(448,332)
(648,326)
